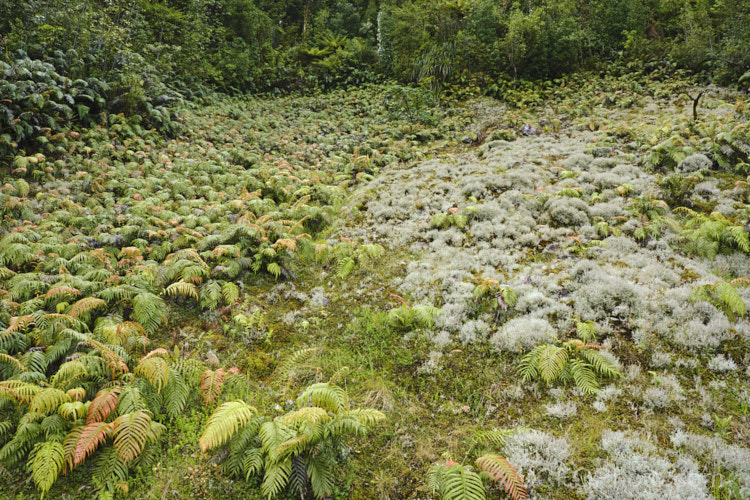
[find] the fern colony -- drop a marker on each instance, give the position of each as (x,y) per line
(346,295)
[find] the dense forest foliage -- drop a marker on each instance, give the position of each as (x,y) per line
(239,236)
(274,46)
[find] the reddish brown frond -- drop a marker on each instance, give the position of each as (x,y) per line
(504,475)
(103,404)
(211,384)
(91,437)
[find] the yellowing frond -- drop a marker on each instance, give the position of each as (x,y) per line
(225,422)
(155,370)
(85,305)
(131,432)
(46,462)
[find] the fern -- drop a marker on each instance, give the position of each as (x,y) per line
(46,462)
(573,360)
(131,432)
(225,422)
(103,404)
(211,385)
(90,438)
(331,397)
(155,370)
(454,482)
(502,473)
(149,311)
(85,305)
(723,296)
(182,288)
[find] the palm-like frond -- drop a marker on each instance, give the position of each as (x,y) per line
(331,397)
(225,422)
(103,404)
(276,478)
(85,305)
(155,370)
(131,432)
(454,482)
(46,461)
(149,311)
(502,472)
(90,438)
(211,385)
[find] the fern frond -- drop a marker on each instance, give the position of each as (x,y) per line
(131,431)
(92,435)
(230,292)
(175,394)
(155,370)
(182,288)
(46,461)
(103,404)
(320,471)
(72,411)
(252,462)
(211,385)
(272,435)
(85,305)
(276,478)
(149,311)
(601,365)
(309,414)
(344,267)
(331,397)
(225,422)
(454,482)
(502,472)
(583,377)
(494,438)
(48,400)
(552,360)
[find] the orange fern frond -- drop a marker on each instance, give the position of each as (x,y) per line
(504,475)
(211,384)
(91,437)
(131,432)
(103,404)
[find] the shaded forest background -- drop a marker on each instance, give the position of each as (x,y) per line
(242,46)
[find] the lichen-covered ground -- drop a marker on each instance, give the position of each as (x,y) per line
(556,216)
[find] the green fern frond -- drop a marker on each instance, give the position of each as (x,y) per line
(320,471)
(73,411)
(48,400)
(345,266)
(502,473)
(225,422)
(552,361)
(182,288)
(601,364)
(331,397)
(494,438)
(230,292)
(252,462)
(583,376)
(276,478)
(454,482)
(175,394)
(46,461)
(149,311)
